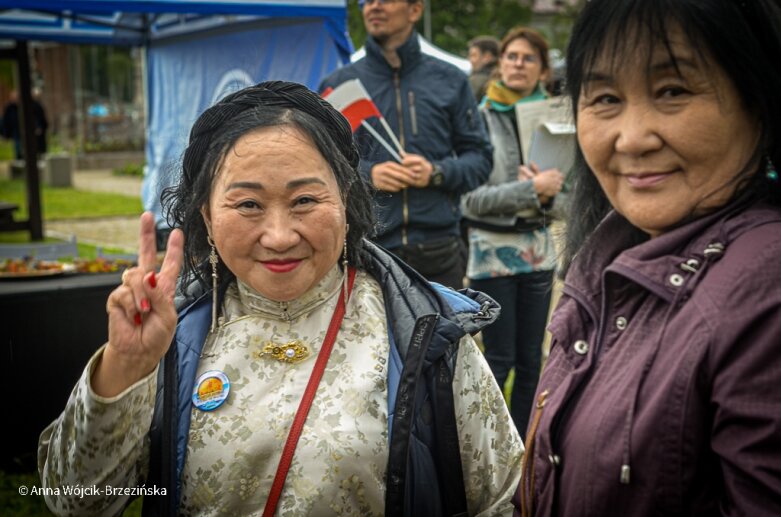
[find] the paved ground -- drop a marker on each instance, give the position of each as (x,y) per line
(112,232)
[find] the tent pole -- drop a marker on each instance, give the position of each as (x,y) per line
(427,20)
(29,142)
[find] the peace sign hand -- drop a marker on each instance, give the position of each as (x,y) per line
(142,315)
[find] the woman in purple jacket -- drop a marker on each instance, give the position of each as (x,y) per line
(662,394)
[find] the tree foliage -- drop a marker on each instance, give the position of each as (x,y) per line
(455,22)
(560,26)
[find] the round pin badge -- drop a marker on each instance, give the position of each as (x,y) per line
(211,390)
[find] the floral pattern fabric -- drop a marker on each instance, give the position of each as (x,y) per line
(233,451)
(495,254)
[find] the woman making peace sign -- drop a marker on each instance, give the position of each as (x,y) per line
(306,371)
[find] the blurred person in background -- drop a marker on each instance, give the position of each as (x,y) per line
(428,104)
(511,250)
(483,56)
(12,129)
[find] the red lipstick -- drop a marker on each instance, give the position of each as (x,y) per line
(281,266)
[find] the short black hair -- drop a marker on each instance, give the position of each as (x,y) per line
(743,37)
(485,44)
(267,104)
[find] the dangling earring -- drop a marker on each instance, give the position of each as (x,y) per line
(345,265)
(770,171)
(213,260)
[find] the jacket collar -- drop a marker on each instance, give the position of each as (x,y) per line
(409,53)
(325,289)
(618,247)
(409,297)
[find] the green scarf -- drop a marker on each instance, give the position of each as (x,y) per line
(499,97)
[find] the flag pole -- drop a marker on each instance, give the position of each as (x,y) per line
(381,140)
(391,134)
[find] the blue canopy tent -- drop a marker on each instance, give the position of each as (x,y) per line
(197,51)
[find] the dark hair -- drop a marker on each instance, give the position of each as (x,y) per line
(743,37)
(485,44)
(268,104)
(534,38)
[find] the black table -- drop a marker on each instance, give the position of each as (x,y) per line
(50,327)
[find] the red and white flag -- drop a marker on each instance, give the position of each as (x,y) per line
(353,101)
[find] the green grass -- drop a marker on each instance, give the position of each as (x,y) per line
(69,203)
(6,150)
(507,389)
(130,169)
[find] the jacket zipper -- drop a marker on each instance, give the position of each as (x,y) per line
(400,114)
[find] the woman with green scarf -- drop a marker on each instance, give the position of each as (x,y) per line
(511,252)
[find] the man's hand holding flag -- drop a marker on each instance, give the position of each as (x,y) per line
(355,103)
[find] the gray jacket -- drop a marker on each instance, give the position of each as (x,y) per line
(503,201)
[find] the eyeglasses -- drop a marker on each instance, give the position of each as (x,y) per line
(362,3)
(525,59)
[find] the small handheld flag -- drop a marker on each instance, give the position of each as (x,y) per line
(355,103)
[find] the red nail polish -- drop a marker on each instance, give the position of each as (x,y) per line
(152,280)
(137,319)
(145,305)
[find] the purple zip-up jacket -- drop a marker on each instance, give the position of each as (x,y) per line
(662,393)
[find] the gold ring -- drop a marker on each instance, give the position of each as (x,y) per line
(124,276)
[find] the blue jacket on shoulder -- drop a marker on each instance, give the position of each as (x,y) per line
(425,323)
(430,106)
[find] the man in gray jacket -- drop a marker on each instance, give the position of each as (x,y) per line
(483,56)
(429,105)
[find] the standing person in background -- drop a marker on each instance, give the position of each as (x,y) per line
(661,393)
(41,122)
(483,56)
(12,129)
(429,105)
(511,251)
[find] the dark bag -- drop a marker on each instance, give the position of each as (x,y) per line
(432,257)
(521,225)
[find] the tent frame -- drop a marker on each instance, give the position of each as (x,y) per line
(89,11)
(34,221)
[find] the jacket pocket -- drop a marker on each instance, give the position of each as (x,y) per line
(413,113)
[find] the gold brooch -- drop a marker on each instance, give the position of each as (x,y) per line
(291,352)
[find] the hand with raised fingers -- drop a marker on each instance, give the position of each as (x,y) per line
(142,316)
